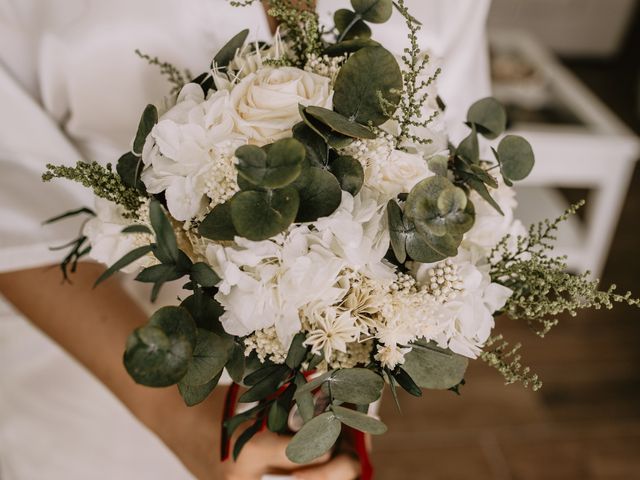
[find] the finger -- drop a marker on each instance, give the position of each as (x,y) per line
(342,467)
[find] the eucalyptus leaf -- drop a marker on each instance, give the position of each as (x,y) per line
(313,384)
(344,18)
(195,394)
(265,371)
(479,186)
(261,215)
(434,368)
(158,354)
(236,364)
(157,273)
(265,387)
(245,436)
(204,275)
(217,225)
(320,197)
(205,310)
(516,157)
(369,75)
(435,217)
(304,399)
(355,385)
(147,121)
(210,355)
(339,123)
(129,168)
(317,151)
(331,137)
(277,168)
(297,351)
(127,259)
(374,11)
(359,421)
(349,173)
(315,438)
(228,51)
(136,229)
(406,382)
(439,165)
(277,418)
(166,249)
(469,148)
(489,117)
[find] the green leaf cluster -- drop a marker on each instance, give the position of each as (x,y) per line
(514,155)
(436,215)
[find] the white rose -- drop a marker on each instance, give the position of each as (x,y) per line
(400,172)
(266,101)
(108,243)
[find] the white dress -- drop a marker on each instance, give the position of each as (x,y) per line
(70,88)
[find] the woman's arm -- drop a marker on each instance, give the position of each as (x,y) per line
(93,325)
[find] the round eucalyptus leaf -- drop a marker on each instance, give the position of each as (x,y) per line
(276,168)
(331,137)
(489,117)
(320,197)
(435,368)
(156,359)
(209,358)
(339,123)
(217,225)
(349,46)
(343,18)
(516,157)
(195,394)
(359,421)
(374,11)
(349,173)
(314,144)
(259,215)
(423,208)
(439,165)
(314,439)
(367,76)
(421,251)
(355,385)
(175,321)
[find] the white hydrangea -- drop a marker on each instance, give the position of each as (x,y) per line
(189,154)
(109,244)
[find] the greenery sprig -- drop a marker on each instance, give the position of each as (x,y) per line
(506,359)
(415,85)
(104,182)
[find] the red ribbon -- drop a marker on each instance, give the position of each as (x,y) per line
(357,437)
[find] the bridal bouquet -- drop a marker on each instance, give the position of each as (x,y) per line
(329,236)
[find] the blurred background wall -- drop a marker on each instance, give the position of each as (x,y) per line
(569,72)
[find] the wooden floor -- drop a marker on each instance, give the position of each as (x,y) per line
(585,422)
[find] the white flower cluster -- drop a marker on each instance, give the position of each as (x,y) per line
(328,278)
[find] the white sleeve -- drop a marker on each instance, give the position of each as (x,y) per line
(29,139)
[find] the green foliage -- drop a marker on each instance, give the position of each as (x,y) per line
(258,215)
(374,11)
(542,289)
(315,438)
(339,123)
(354,385)
(514,154)
(350,25)
(500,355)
(276,168)
(414,85)
(102,180)
(218,225)
(432,367)
(349,173)
(210,355)
(320,195)
(175,76)
(359,421)
(488,117)
(228,51)
(158,354)
(368,86)
(78,247)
